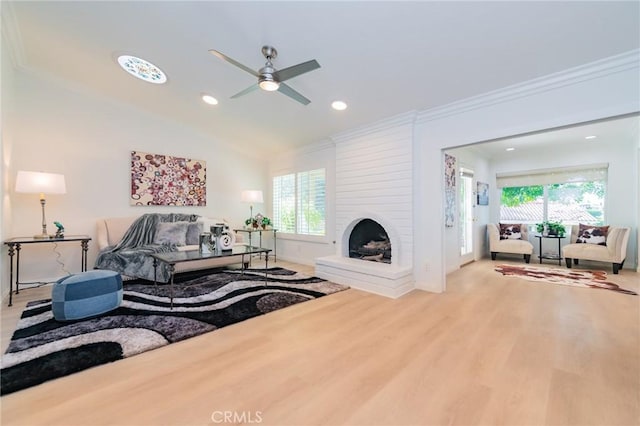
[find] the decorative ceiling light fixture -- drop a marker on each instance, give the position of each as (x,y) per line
(209,100)
(142,69)
(339,105)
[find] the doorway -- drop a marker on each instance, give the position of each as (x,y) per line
(467,216)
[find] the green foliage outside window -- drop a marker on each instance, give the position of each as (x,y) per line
(516,195)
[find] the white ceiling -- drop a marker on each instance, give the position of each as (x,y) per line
(382,58)
(618,131)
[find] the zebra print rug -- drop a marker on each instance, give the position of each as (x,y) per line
(42,348)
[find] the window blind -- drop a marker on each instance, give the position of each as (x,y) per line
(311,202)
(587,173)
(284,203)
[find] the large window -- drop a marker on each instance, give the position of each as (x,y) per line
(570,195)
(299,203)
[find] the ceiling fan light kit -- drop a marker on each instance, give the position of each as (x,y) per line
(270,79)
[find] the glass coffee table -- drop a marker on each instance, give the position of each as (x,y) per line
(173,257)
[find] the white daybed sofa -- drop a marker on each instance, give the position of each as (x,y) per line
(111,230)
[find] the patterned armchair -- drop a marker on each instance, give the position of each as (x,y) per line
(513,239)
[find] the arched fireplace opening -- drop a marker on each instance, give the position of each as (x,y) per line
(369,241)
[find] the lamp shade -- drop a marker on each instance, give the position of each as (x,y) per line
(252,196)
(42,183)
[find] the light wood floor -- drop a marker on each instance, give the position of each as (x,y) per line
(493,350)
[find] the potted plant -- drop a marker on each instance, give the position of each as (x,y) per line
(265,222)
(552,228)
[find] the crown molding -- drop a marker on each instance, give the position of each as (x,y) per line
(11,34)
(311,148)
(407,118)
(593,70)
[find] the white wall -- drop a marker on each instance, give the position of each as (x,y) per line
(298,248)
(61,129)
(604,89)
(468,158)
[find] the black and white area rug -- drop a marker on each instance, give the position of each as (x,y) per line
(42,348)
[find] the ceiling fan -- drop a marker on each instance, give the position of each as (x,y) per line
(269,78)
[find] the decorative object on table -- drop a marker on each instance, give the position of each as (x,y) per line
(258,221)
(265,222)
(552,228)
(41,183)
(251,196)
(227,238)
(43,349)
(449,190)
(205,246)
(163,180)
(586,279)
(60,231)
(483,193)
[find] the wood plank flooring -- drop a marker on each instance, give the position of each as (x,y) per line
(492,350)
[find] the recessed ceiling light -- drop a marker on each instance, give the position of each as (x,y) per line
(338,105)
(209,99)
(590,137)
(142,69)
(510,149)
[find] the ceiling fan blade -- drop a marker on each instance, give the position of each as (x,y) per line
(245,91)
(287,90)
(296,70)
(234,62)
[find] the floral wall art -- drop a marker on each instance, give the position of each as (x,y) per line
(449,190)
(163,180)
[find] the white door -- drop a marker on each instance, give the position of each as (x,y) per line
(467,217)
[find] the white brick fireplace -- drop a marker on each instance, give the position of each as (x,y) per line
(374,180)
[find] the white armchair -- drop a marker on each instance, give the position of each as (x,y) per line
(514,246)
(614,252)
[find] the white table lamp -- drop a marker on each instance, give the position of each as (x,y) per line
(41,183)
(252,196)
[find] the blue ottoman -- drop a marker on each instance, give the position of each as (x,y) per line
(86,294)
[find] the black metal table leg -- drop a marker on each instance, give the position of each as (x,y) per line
(12,251)
(540,248)
(18,268)
(172,269)
(85,249)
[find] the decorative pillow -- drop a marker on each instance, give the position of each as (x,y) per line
(171,233)
(510,231)
(194,229)
(589,234)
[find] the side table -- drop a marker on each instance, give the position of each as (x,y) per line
(558,256)
(260,231)
(15,244)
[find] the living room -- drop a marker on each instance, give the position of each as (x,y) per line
(59,125)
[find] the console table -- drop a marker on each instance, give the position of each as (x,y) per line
(15,244)
(260,231)
(557,257)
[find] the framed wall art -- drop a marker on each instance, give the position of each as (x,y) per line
(483,194)
(449,190)
(163,180)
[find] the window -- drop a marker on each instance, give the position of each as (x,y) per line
(299,203)
(569,195)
